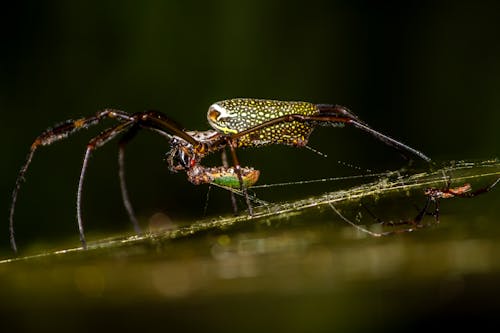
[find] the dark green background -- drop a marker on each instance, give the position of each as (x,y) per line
(424,72)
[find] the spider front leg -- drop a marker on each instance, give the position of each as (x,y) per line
(50,136)
(151,120)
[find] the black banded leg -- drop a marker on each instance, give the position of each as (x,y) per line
(151,120)
(129,135)
(49,136)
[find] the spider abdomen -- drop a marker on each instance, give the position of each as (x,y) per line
(236,115)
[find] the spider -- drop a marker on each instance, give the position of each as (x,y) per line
(236,123)
(433,195)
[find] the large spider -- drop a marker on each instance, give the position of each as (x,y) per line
(237,123)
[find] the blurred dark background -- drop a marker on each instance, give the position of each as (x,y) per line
(424,72)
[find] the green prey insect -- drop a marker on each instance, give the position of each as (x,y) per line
(241,122)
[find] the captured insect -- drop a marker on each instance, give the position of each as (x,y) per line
(236,123)
(433,196)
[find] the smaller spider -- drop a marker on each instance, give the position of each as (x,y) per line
(434,195)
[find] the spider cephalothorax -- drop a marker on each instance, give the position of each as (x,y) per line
(183,155)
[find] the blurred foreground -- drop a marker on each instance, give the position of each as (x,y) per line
(293,267)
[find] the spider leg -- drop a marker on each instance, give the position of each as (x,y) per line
(93,144)
(415,223)
(329,115)
(436,210)
(237,168)
(125,139)
(375,217)
(332,113)
(360,228)
(225,164)
(129,135)
(414,227)
(433,198)
(479,191)
(159,122)
(151,120)
(48,137)
(420,216)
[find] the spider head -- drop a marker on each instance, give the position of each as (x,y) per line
(184,155)
(181,156)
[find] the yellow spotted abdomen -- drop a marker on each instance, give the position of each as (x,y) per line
(235,115)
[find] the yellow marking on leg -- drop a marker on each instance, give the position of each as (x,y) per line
(79,123)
